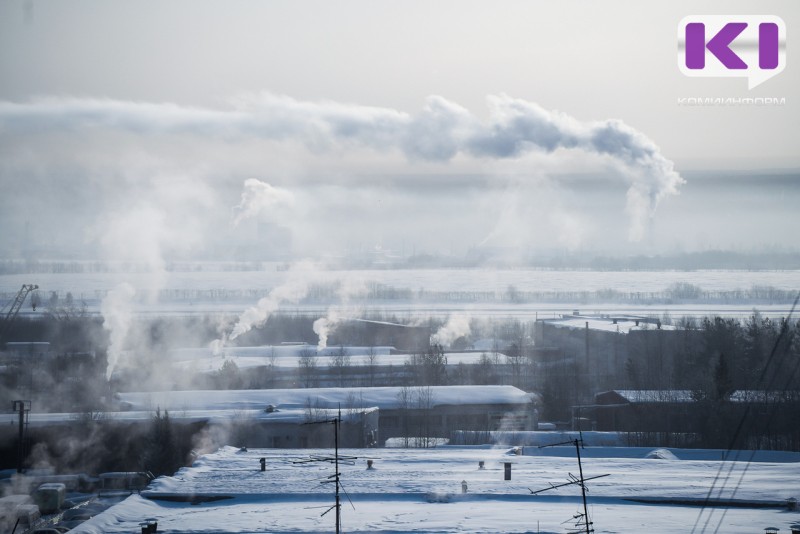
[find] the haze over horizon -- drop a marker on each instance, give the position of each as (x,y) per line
(135,133)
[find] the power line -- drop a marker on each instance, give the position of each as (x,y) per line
(740,426)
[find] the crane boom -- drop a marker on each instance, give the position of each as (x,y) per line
(8,320)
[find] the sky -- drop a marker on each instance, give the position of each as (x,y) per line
(145,131)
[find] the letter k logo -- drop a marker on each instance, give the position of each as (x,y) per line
(718,45)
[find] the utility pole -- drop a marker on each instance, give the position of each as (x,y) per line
(22,407)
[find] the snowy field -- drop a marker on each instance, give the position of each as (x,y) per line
(469,280)
(421,491)
(189,291)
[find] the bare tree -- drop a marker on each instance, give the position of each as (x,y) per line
(485,371)
(308,368)
(404,402)
(425,431)
(372,366)
(340,364)
(428,368)
(314,411)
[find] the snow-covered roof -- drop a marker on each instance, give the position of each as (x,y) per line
(258,399)
(686,395)
(288,357)
(652,395)
(420,490)
(294,415)
(290,405)
(622,324)
(387,323)
(278,351)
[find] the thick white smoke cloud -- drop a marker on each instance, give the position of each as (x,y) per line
(440,132)
(456,326)
(117,311)
(262,199)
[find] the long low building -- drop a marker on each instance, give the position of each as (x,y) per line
(278,417)
(418,413)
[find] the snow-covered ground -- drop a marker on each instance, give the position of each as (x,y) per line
(420,490)
(199,292)
(189,291)
(470,280)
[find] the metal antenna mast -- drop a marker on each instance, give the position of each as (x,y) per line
(580,481)
(336,477)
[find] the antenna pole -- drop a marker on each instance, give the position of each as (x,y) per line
(581,481)
(336,447)
(336,477)
(583,487)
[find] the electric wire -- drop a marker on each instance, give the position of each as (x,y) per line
(790,378)
(739,428)
(736,434)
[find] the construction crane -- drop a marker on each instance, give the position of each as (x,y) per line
(8,320)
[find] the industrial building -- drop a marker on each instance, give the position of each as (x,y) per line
(603,350)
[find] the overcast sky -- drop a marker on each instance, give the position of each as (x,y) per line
(131,128)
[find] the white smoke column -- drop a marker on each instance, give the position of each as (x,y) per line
(456,326)
(323,326)
(218,345)
(262,198)
(652,177)
(336,315)
(159,213)
(517,127)
(117,311)
(291,291)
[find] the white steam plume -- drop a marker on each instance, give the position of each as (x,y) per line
(324,325)
(456,326)
(441,131)
(291,291)
(262,198)
(159,213)
(336,315)
(117,311)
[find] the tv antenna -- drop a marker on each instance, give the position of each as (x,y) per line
(335,460)
(582,521)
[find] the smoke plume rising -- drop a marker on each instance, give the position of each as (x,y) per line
(456,326)
(348,289)
(117,311)
(294,289)
(259,198)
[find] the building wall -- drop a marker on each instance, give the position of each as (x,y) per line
(601,357)
(375,333)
